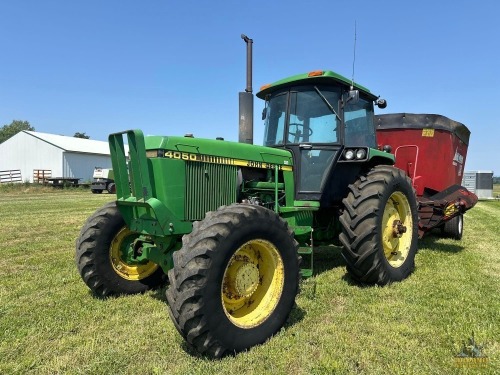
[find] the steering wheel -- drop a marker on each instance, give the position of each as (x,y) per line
(297,132)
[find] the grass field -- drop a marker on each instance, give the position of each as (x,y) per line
(496,190)
(51,323)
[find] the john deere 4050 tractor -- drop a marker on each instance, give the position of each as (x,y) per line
(229,222)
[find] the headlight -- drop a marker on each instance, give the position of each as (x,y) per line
(349,154)
(361,153)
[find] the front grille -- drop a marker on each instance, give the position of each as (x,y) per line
(208,186)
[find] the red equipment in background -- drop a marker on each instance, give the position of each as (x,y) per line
(432,150)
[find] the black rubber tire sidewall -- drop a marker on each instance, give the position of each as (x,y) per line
(454,227)
(93,256)
(111,188)
(403,271)
(195,292)
(362,226)
(228,334)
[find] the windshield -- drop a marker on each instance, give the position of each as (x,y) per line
(312,117)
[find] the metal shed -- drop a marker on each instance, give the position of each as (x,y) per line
(30,151)
(480,183)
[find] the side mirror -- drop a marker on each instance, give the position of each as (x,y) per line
(353,96)
(381,103)
(264,113)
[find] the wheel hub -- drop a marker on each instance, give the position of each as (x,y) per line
(123,259)
(398,228)
(242,278)
(252,283)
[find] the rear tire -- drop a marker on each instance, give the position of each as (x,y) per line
(380,227)
(234,280)
(95,191)
(103,239)
(454,228)
(111,188)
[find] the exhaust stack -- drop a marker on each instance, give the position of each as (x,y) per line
(246,100)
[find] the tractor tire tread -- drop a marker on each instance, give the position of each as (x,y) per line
(360,232)
(192,265)
(90,246)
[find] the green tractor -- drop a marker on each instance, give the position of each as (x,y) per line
(230,222)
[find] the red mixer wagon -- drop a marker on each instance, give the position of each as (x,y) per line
(432,150)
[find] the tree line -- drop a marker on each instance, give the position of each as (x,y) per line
(16,126)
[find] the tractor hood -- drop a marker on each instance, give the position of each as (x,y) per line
(217,151)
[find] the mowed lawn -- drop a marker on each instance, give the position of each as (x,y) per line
(51,323)
(496,190)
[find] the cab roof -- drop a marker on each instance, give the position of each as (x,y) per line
(318,76)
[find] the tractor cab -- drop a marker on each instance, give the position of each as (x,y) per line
(323,120)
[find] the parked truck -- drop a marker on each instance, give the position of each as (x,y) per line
(229,222)
(103,180)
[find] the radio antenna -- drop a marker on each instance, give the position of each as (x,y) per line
(354,58)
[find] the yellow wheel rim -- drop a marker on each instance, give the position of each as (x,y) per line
(253,283)
(397,227)
(122,261)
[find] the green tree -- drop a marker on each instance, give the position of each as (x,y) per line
(13,128)
(81,135)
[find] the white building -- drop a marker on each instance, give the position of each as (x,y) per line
(60,156)
(479,183)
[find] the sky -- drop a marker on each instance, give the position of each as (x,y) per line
(176,67)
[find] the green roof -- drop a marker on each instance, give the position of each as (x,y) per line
(321,77)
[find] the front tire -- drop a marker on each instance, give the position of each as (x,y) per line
(234,281)
(380,227)
(102,256)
